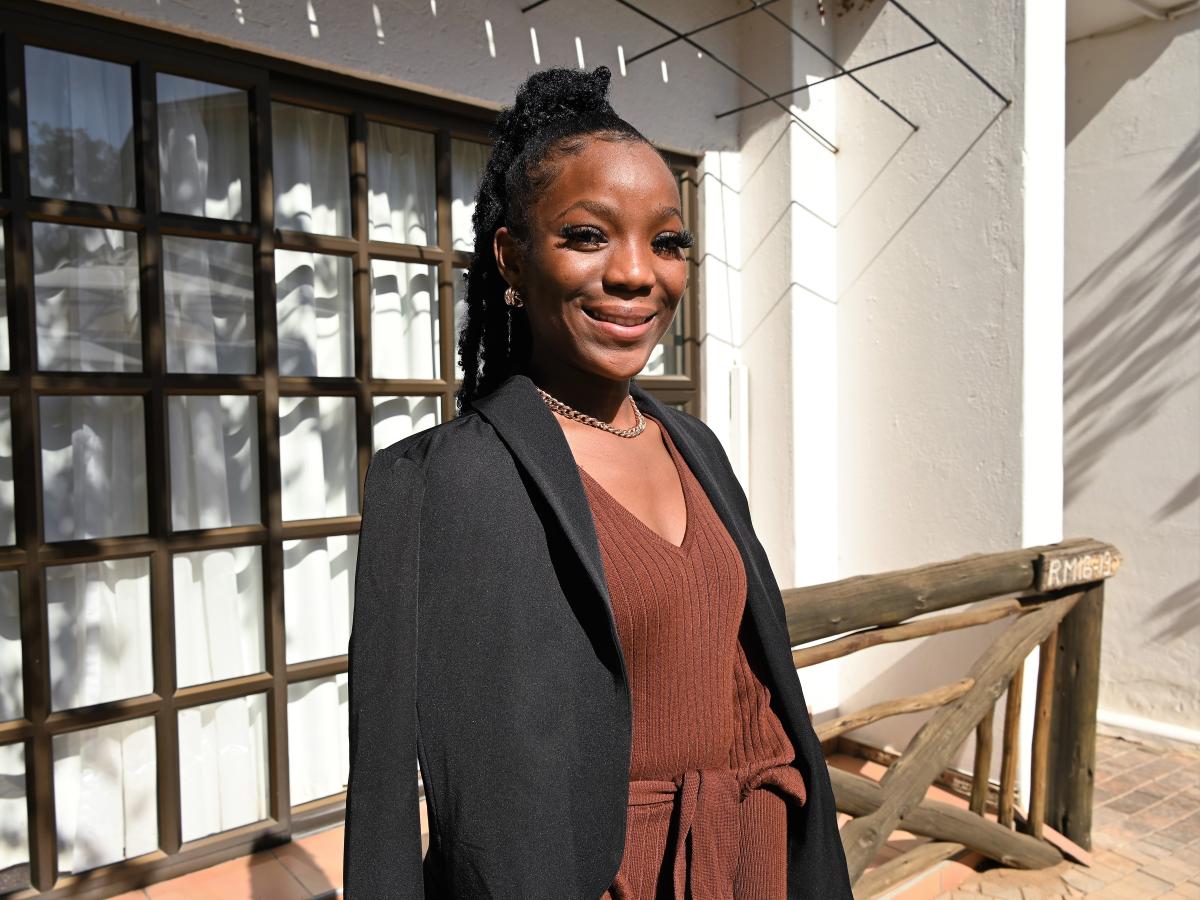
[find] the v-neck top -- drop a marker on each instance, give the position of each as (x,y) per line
(705,740)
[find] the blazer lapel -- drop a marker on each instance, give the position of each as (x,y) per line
(533,435)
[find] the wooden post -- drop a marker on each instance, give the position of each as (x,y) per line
(983,762)
(1010,748)
(1072,763)
(1041,735)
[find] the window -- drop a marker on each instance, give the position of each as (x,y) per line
(196,363)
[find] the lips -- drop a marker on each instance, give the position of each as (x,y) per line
(620,316)
(625,322)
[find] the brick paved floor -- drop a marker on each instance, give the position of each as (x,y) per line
(1146,834)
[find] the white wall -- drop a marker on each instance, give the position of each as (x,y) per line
(441,47)
(1133,358)
(933,287)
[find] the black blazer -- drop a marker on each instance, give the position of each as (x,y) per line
(484,646)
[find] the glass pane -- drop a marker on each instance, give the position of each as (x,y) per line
(218,614)
(85,284)
(404,320)
(666,358)
(223,772)
(314,314)
(12,697)
(460,316)
(311,169)
(14,822)
(395,418)
(104,794)
(8,516)
(318,738)
(99,619)
(93,466)
(209,296)
(401,185)
(214,460)
(318,595)
(467,160)
(5,359)
(203,148)
(80,128)
(318,457)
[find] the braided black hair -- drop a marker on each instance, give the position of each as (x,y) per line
(555,111)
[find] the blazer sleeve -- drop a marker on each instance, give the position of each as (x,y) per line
(382,851)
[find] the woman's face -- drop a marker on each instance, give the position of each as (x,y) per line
(605,269)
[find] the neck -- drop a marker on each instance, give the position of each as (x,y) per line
(601,398)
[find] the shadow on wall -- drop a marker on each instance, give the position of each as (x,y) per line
(1123,360)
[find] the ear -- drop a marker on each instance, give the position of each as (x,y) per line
(508,255)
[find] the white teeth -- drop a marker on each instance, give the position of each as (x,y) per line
(627,321)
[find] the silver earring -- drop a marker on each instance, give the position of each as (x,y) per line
(513,297)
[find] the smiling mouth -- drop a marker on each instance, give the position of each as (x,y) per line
(627,321)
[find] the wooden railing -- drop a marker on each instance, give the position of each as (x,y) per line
(1055,597)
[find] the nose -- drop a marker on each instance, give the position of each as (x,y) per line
(630,269)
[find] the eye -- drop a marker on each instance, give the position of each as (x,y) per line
(673,243)
(582,235)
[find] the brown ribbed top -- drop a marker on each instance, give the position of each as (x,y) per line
(706,743)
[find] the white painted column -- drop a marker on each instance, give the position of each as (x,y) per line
(1043,116)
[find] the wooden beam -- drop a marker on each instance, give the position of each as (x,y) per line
(1041,734)
(859,796)
(930,749)
(983,762)
(939,696)
(887,599)
(860,640)
(1073,729)
(1010,749)
(904,867)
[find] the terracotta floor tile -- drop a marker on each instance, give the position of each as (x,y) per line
(258,877)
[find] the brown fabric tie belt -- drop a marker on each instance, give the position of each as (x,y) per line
(708,838)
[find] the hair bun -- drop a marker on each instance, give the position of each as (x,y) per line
(553,94)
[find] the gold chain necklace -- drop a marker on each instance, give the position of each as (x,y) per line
(571,413)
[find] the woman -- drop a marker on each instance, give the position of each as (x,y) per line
(562,611)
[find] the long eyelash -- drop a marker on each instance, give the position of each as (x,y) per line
(580,233)
(680,240)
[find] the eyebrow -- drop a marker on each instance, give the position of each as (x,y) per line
(605,211)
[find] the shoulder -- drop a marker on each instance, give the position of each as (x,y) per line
(458,449)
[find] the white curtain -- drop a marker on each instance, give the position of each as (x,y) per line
(401,185)
(467,160)
(14,827)
(104,794)
(5,362)
(318,737)
(86,297)
(318,457)
(311,170)
(318,595)
(223,765)
(314,314)
(12,702)
(203,148)
(404,320)
(214,460)
(93,466)
(80,114)
(208,293)
(218,614)
(8,522)
(99,620)
(395,418)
